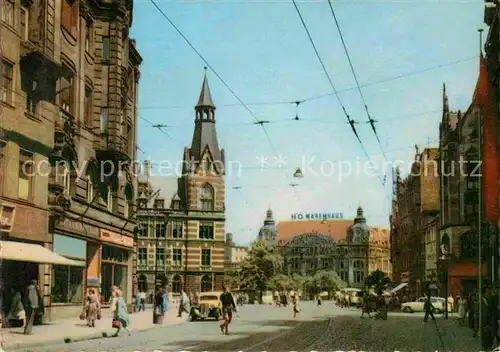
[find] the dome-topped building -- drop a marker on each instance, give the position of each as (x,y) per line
(268,232)
(359,232)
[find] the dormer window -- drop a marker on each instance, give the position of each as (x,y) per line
(142,203)
(159,204)
(207,197)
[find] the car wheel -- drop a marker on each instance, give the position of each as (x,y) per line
(407,310)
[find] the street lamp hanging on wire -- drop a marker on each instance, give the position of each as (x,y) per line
(298,173)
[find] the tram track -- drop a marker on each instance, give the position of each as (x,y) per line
(300,337)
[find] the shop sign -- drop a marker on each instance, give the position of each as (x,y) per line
(317,216)
(78,227)
(116,238)
(7,214)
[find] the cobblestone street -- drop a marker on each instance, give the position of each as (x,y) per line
(262,328)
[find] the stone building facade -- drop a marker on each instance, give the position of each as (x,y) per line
(181,236)
(415,204)
(349,247)
(68,99)
(234,255)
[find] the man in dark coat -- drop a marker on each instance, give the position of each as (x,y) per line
(429,308)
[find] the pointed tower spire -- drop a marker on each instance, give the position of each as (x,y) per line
(205,100)
(446,107)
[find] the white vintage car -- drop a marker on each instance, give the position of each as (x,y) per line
(418,306)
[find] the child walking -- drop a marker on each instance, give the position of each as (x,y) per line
(296,307)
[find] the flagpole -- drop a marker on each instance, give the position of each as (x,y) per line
(480,237)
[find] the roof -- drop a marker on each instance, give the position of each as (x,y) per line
(205,95)
(336,229)
(166,187)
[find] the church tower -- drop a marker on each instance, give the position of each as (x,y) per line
(202,196)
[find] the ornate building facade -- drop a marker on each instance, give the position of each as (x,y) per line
(349,247)
(415,204)
(68,100)
(181,237)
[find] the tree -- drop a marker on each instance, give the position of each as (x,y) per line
(261,265)
(377,280)
(282,282)
(328,281)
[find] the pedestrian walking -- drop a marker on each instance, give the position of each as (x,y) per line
(462,307)
(429,308)
(112,301)
(92,309)
(487,336)
(365,305)
(296,307)
(318,300)
(451,303)
(142,296)
(137,302)
(228,306)
(184,304)
(32,300)
(474,314)
(121,319)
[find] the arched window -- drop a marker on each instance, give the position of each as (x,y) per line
(207,197)
(206,283)
(359,272)
(176,284)
(142,283)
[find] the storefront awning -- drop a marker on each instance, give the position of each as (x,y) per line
(26,252)
(399,287)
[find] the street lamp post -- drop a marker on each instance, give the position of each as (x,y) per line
(444,278)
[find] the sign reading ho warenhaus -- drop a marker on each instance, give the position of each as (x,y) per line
(317,216)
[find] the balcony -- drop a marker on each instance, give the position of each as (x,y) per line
(109,146)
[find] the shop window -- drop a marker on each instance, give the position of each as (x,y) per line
(25,179)
(114,270)
(161,230)
(177,257)
(160,256)
(7,13)
(69,15)
(142,256)
(177,229)
(206,257)
(67,284)
(105,48)
(88,120)
(206,283)
(206,232)
(6,82)
(176,284)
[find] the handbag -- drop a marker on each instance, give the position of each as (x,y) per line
(82,316)
(115,323)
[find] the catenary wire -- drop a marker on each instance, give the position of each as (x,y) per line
(257,121)
(371,121)
(350,121)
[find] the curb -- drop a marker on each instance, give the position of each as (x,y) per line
(7,347)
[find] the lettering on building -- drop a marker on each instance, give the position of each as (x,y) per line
(317,216)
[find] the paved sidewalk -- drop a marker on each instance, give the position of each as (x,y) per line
(74,329)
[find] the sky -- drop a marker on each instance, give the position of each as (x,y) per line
(262,52)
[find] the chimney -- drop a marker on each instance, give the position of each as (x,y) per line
(147,168)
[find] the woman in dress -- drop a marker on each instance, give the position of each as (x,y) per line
(462,306)
(121,314)
(92,309)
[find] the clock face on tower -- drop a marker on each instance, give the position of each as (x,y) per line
(205,192)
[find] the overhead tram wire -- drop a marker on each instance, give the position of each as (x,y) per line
(245,106)
(349,120)
(325,95)
(371,121)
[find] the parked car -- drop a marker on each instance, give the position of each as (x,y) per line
(418,306)
(208,306)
